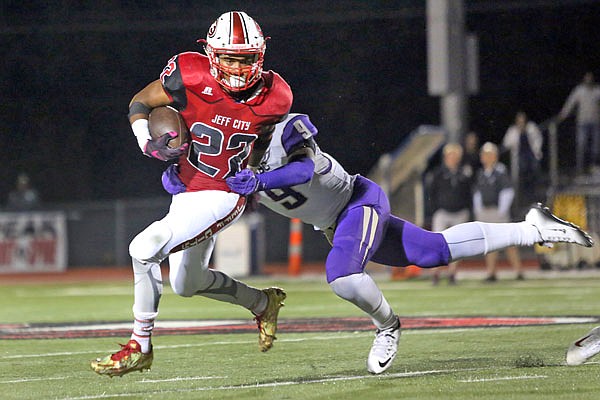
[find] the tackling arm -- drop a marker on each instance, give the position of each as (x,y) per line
(297,171)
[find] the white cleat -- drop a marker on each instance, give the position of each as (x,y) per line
(554,230)
(384,349)
(584,348)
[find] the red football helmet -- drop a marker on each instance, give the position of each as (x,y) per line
(237,35)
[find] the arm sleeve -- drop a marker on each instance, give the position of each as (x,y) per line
(294,173)
(297,133)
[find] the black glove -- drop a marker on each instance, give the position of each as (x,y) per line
(159,149)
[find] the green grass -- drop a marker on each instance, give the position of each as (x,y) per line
(489,363)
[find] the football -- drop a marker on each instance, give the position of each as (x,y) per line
(165,119)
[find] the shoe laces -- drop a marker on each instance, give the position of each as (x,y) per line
(125,351)
(385,339)
(258,321)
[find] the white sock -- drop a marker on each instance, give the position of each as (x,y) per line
(142,333)
(479,238)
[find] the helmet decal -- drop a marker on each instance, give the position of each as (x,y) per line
(238,30)
(212,30)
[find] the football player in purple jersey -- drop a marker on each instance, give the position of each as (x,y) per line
(298,180)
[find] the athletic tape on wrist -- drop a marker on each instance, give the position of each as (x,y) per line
(142,132)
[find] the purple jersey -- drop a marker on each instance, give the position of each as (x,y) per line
(318,202)
(353,211)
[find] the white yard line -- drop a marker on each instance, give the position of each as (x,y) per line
(229,342)
(24,380)
(64,353)
(503,378)
(182,379)
(276,384)
(177,346)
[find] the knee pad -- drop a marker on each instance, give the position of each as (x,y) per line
(148,243)
(346,286)
(360,290)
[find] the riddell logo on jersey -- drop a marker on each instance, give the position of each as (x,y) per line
(207,91)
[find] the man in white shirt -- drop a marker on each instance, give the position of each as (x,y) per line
(524,140)
(586,97)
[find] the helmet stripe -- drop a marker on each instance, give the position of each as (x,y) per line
(238,29)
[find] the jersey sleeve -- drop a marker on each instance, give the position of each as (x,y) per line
(183,71)
(172,82)
(298,132)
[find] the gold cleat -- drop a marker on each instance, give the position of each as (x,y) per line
(267,321)
(130,358)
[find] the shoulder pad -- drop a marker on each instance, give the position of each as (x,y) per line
(194,68)
(190,71)
(302,124)
(276,100)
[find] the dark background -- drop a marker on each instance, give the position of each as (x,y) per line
(358,68)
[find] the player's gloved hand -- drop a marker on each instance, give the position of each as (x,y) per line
(245,182)
(158,148)
(171,182)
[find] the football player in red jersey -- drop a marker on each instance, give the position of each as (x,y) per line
(230,106)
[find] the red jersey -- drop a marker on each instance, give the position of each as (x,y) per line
(222,129)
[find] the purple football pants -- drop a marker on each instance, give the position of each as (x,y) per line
(366,232)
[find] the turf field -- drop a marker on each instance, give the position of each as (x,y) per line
(448,361)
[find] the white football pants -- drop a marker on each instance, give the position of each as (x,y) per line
(191,214)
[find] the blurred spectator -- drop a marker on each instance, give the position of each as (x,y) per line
(450,198)
(23,197)
(524,140)
(470,160)
(586,97)
(492,199)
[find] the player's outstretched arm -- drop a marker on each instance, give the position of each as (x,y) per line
(296,172)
